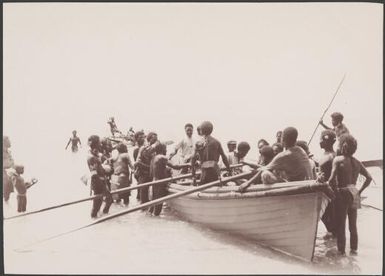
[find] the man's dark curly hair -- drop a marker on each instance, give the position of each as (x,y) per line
(347,144)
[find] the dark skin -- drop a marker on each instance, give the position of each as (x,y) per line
(334,123)
(75,139)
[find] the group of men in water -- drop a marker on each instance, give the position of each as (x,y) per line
(285,160)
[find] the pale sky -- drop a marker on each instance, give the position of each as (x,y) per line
(250,68)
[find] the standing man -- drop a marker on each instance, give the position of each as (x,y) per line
(75,140)
(338,127)
(143,164)
(99,183)
(185,147)
(328,138)
(209,156)
(345,170)
(139,139)
(7,164)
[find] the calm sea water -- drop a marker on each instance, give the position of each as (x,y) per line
(138,243)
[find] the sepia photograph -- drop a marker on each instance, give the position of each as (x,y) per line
(193,138)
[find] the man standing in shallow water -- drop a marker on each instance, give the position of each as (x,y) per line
(75,140)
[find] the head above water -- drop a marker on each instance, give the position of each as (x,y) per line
(206,128)
(242,149)
(261,143)
(152,137)
(337,118)
(347,145)
(189,129)
(289,137)
(328,138)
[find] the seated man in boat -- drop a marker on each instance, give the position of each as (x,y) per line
(345,169)
(75,140)
(99,183)
(209,156)
(121,177)
(185,147)
(290,165)
(237,158)
(261,143)
(266,156)
(328,138)
(231,147)
(277,148)
(161,169)
(338,127)
(303,144)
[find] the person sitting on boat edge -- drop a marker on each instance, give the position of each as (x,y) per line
(277,148)
(328,138)
(98,178)
(338,127)
(345,170)
(185,147)
(209,156)
(75,140)
(290,165)
(161,169)
(121,177)
(303,144)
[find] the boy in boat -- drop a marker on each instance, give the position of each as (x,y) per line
(21,187)
(185,147)
(143,163)
(345,170)
(75,140)
(328,138)
(7,164)
(209,156)
(338,127)
(160,169)
(139,139)
(290,165)
(303,144)
(98,179)
(121,177)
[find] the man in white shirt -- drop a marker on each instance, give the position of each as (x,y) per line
(185,147)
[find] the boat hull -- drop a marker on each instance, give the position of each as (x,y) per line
(287,223)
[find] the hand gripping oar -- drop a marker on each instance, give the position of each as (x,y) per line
(145,205)
(335,94)
(157,182)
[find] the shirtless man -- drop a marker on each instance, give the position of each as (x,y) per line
(345,170)
(75,140)
(338,127)
(290,165)
(328,138)
(121,177)
(113,128)
(209,156)
(139,139)
(99,183)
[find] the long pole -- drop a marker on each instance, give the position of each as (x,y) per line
(156,182)
(335,94)
(149,204)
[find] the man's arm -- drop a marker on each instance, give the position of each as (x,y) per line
(321,122)
(177,147)
(333,174)
(130,165)
(177,167)
(368,177)
(69,142)
(252,165)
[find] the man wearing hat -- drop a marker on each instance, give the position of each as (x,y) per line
(209,155)
(338,127)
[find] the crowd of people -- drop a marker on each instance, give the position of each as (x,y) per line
(286,159)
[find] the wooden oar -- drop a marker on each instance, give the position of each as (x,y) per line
(157,182)
(147,204)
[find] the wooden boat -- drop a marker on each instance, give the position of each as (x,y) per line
(283,216)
